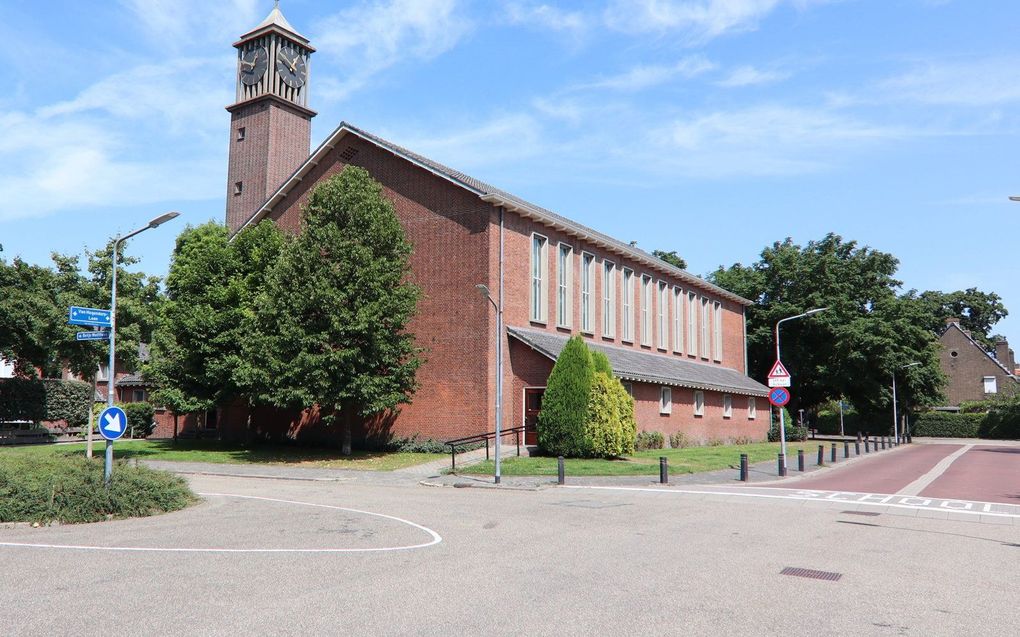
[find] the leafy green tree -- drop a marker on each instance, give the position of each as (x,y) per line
(851,350)
(671,258)
(337,305)
(978,311)
(561,423)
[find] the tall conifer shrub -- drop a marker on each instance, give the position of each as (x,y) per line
(565,403)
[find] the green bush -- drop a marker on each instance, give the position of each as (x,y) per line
(649,440)
(600,363)
(602,426)
(139,417)
(1002,422)
(38,400)
(628,423)
(942,424)
(70,490)
(793,432)
(680,440)
(561,423)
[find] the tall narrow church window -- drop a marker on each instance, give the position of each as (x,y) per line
(692,323)
(539,267)
(705,339)
(678,320)
(587,292)
(628,305)
(646,310)
(663,315)
(564,278)
(608,299)
(717,331)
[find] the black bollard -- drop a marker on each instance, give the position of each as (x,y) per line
(867,446)
(883,442)
(832,455)
(821,455)
(781,462)
(560,471)
(846,449)
(800,460)
(663,470)
(858,436)
(743,467)
(857,448)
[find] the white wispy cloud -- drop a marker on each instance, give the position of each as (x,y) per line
(970,82)
(181,23)
(553,18)
(751,76)
(502,138)
(698,20)
(642,77)
(370,37)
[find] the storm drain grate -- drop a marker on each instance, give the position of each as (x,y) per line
(811,574)
(870,514)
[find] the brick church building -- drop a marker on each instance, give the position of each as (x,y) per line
(677,341)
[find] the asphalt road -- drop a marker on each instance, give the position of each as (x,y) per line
(558,561)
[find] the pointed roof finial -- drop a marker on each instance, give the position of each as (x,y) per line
(275,19)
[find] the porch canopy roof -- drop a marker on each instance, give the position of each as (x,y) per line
(645,367)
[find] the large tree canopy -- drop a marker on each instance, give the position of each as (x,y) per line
(337,304)
(850,350)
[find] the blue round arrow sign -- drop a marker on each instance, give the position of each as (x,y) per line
(779,396)
(112,423)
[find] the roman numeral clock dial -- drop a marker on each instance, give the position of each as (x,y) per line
(254,63)
(290,64)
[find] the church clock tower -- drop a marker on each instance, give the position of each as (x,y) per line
(270,122)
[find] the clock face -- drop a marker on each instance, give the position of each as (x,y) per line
(291,66)
(254,63)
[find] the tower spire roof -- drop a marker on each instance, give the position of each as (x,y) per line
(276,19)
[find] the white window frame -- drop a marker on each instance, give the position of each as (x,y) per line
(627,278)
(646,310)
(608,299)
(564,284)
(717,332)
(539,278)
(752,408)
(706,342)
(665,400)
(587,292)
(663,314)
(990,382)
(699,403)
(727,406)
(692,323)
(678,320)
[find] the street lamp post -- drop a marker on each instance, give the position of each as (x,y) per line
(782,420)
(484,291)
(111,375)
(895,424)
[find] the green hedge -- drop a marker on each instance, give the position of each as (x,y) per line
(941,424)
(70,490)
(1001,423)
(50,400)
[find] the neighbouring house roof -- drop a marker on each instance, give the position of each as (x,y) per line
(492,195)
(977,346)
(132,380)
(635,365)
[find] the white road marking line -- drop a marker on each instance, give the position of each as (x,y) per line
(917,486)
(436,538)
(884,499)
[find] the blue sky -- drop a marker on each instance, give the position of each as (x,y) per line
(710,127)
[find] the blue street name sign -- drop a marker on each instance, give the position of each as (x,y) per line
(101,335)
(779,396)
(112,423)
(89,316)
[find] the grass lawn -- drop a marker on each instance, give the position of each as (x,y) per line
(689,460)
(221,452)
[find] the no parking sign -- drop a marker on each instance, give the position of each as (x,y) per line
(779,396)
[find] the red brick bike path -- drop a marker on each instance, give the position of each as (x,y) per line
(985,474)
(887,472)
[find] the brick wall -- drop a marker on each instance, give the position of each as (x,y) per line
(965,366)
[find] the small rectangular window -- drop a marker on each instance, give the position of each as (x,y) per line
(727,406)
(990,385)
(240,134)
(564,279)
(628,305)
(752,408)
(699,403)
(608,299)
(630,388)
(539,274)
(138,395)
(238,187)
(587,293)
(646,309)
(663,315)
(692,323)
(665,400)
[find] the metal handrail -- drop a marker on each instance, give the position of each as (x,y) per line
(486,437)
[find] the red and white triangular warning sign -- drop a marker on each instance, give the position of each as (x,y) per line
(778,371)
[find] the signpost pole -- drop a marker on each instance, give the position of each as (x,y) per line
(111,375)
